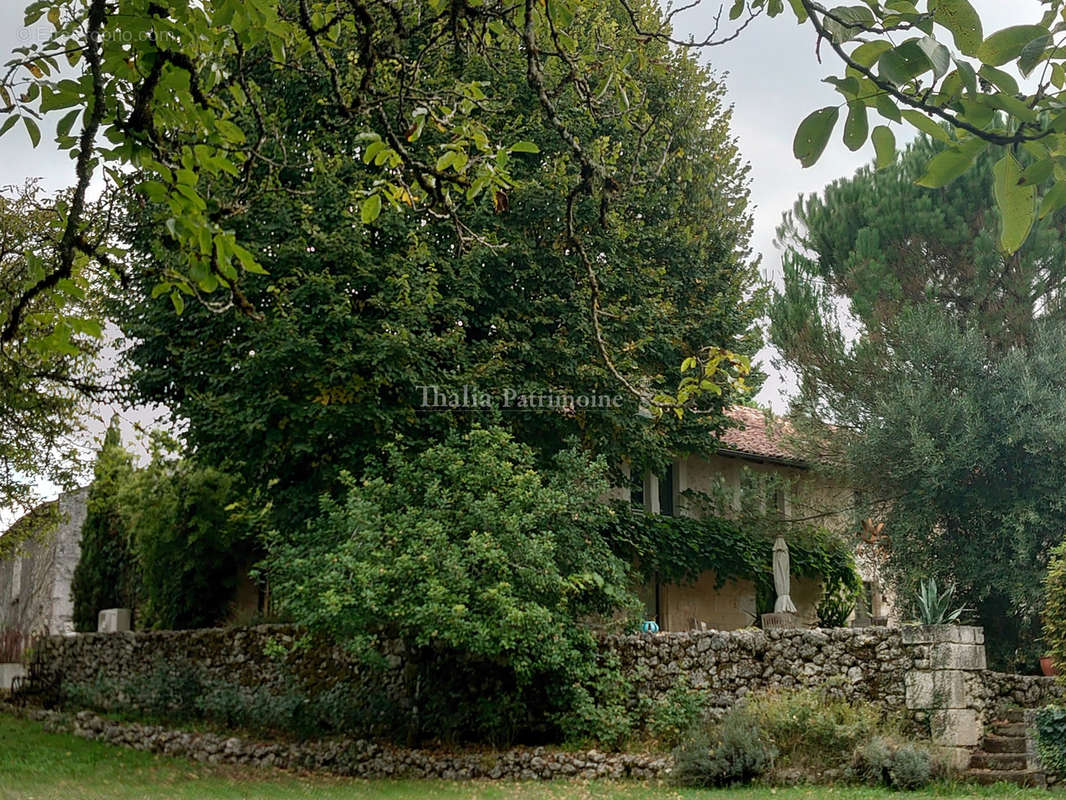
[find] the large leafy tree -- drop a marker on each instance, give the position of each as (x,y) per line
(930,370)
(357,319)
(171,89)
(47,371)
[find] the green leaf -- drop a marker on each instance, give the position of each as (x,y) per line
(445,160)
(372,150)
(967,75)
(32,130)
(849,86)
(867,54)
(813,134)
(939,56)
(9,123)
(1033,54)
(949,164)
(887,108)
(67,122)
(1054,200)
(89,327)
(978,112)
(799,10)
(1000,79)
(178,301)
(1006,45)
(926,125)
(524,147)
(884,146)
(1038,172)
(857,126)
(848,22)
(371,208)
(904,63)
(1017,204)
(959,17)
(1012,105)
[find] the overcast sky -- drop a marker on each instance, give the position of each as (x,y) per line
(773,80)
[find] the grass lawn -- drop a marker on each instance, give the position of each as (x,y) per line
(43,766)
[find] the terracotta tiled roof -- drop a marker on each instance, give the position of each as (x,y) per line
(758,436)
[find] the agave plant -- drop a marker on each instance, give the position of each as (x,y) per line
(934,608)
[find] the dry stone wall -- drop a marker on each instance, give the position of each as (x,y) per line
(359,757)
(936,674)
(265,656)
(867,663)
(997,691)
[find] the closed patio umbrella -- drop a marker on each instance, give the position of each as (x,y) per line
(784,604)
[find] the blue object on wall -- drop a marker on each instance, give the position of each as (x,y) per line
(649,626)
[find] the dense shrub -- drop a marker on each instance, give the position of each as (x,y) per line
(813,728)
(1051,738)
(884,762)
(179,693)
(168,541)
(835,607)
(192,535)
(911,767)
(1055,605)
(670,718)
(736,750)
(467,553)
(810,733)
(870,762)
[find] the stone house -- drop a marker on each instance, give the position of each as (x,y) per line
(35,586)
(759,446)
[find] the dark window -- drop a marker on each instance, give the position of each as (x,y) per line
(666,492)
(636,493)
(780,500)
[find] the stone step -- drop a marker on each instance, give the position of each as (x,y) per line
(1014,715)
(1003,744)
(1000,761)
(1009,729)
(987,777)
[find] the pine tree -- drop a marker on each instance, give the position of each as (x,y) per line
(932,375)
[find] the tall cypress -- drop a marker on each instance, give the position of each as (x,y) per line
(104,575)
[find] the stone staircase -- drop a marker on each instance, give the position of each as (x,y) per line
(1003,754)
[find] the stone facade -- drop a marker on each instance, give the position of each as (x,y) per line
(804,494)
(35,588)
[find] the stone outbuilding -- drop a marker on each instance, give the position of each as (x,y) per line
(35,592)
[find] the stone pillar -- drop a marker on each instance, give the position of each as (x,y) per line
(113,620)
(938,686)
